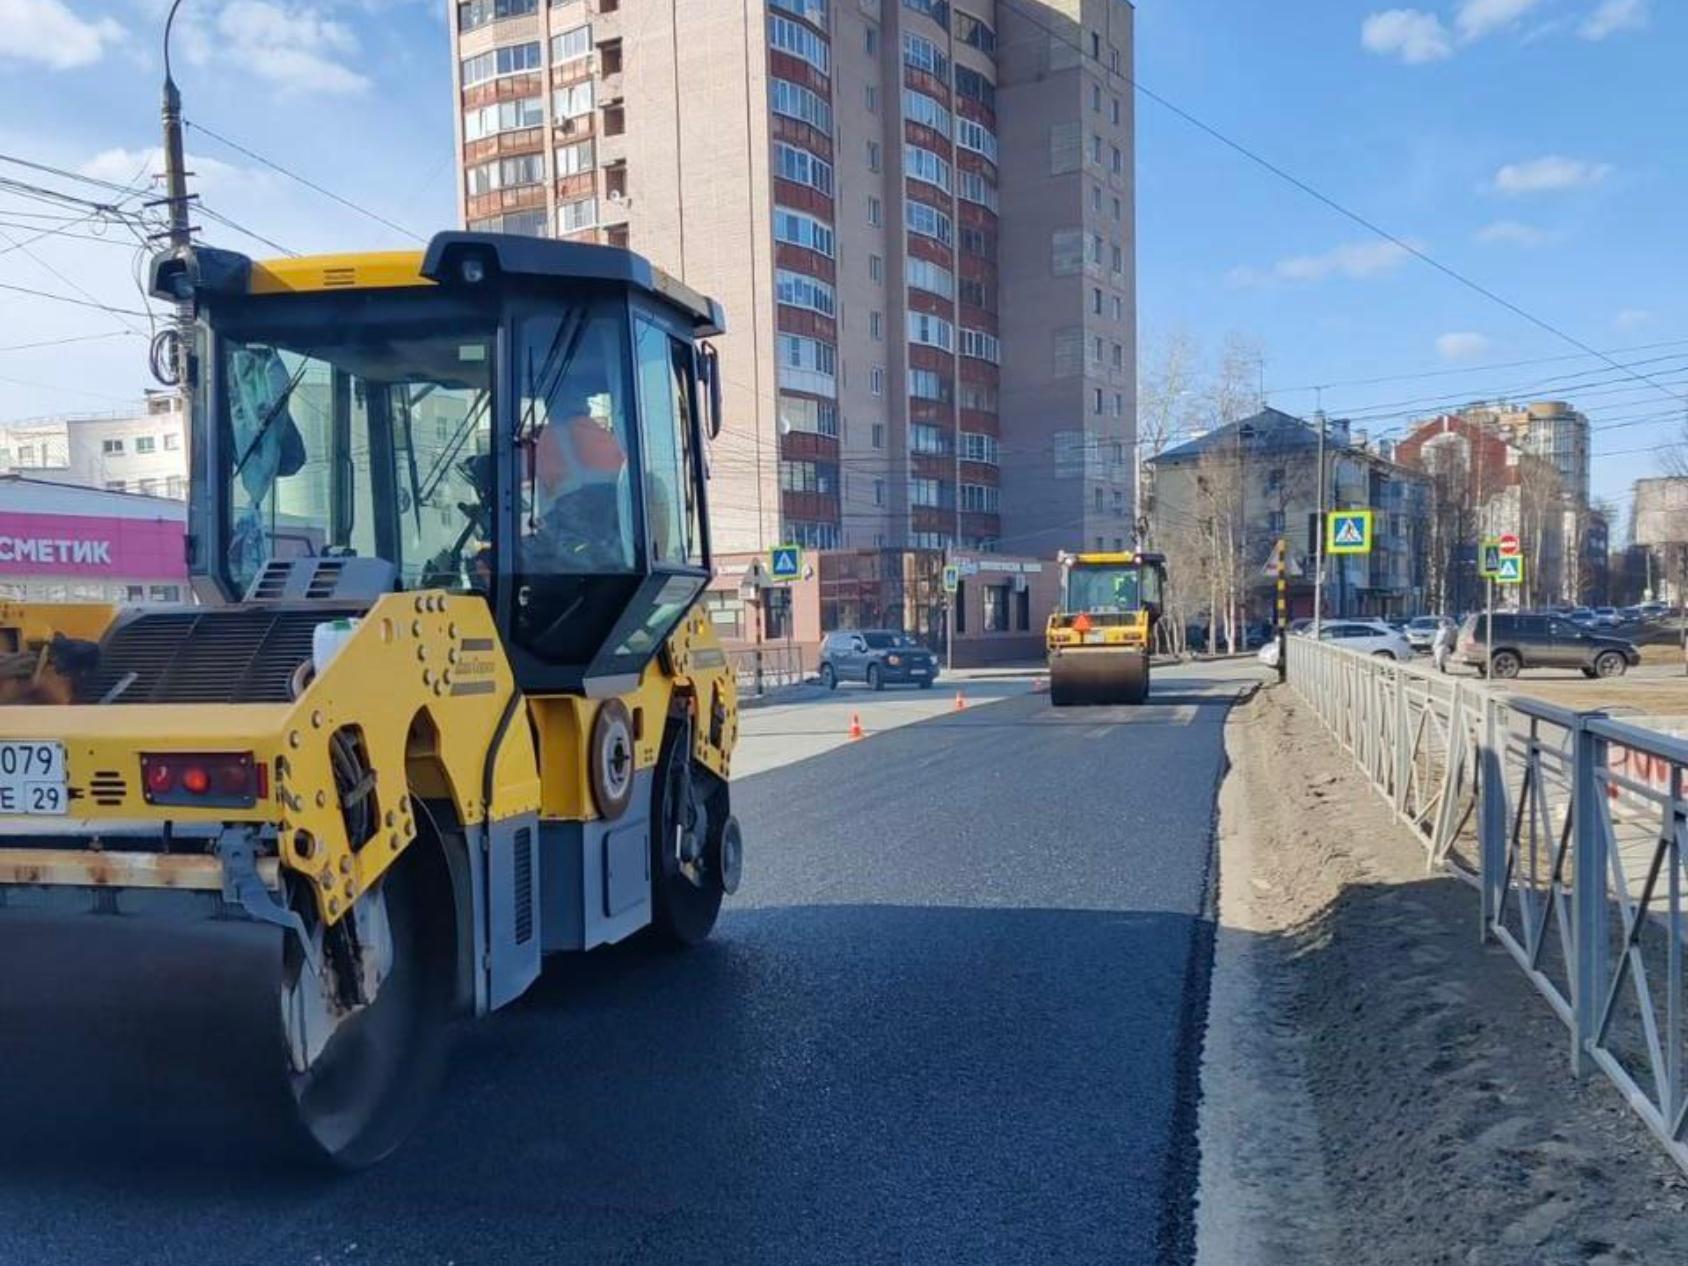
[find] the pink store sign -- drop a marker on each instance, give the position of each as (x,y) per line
(91,545)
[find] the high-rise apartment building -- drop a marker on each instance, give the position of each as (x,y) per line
(917,215)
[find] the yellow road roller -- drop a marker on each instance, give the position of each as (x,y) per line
(1099,637)
(446,700)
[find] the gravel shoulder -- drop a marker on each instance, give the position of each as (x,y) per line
(1377,1085)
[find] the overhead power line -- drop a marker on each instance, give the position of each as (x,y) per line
(295,176)
(81,303)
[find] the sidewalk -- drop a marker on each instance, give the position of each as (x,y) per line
(1377,1086)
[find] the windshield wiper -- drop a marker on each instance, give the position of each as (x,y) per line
(270,416)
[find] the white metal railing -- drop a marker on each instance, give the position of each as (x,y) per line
(766,668)
(1574,828)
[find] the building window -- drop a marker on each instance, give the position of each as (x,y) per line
(923,274)
(973,187)
(979,498)
(1096,45)
(975,87)
(809,10)
(175,486)
(874,213)
(116,485)
(874,161)
(574,216)
(1119,405)
(1096,402)
(503,116)
(1116,112)
(1095,148)
(800,229)
(977,395)
(811,536)
(527,223)
(978,447)
(1275,521)
(1119,356)
(930,331)
(876,326)
(933,494)
(506,173)
(797,102)
(1119,308)
(574,159)
(1119,160)
(927,220)
(924,55)
(803,168)
(1118,261)
(969,30)
(806,476)
(26,454)
(976,137)
(928,384)
(1096,499)
(878,436)
(937,10)
(572,102)
(870,97)
(571,45)
(1096,300)
(926,111)
(799,352)
(1096,98)
(876,381)
(996,608)
(799,290)
(800,41)
(878,492)
(977,242)
(923,164)
(512,59)
(145,443)
(111,447)
(875,268)
(816,417)
(934,441)
(871,41)
(978,293)
(981,346)
(477,13)
(1066,252)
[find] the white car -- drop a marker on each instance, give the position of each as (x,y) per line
(1369,637)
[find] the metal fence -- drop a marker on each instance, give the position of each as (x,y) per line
(1573,827)
(766,668)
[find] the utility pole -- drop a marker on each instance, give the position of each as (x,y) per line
(1283,610)
(180,231)
(1319,531)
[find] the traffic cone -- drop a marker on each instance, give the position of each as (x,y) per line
(960,703)
(856,727)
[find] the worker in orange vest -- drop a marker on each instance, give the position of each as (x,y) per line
(578,466)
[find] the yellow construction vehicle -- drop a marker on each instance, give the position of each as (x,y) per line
(1099,638)
(449,700)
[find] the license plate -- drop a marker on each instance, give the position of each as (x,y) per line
(32,778)
(1095,638)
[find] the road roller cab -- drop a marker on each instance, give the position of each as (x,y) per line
(1099,638)
(446,701)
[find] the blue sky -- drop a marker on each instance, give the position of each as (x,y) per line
(1535,145)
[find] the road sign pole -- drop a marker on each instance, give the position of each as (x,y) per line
(949,621)
(1489,630)
(1283,613)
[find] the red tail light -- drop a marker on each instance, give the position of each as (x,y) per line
(212,780)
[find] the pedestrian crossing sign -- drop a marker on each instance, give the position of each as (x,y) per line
(1348,532)
(1488,558)
(785,562)
(1510,571)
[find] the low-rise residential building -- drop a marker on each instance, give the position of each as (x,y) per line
(141,450)
(1219,503)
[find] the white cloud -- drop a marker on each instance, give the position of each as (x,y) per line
(1554,171)
(1513,233)
(1357,261)
(1461,345)
(297,50)
(1477,18)
(134,167)
(1613,16)
(48,32)
(1631,318)
(1410,34)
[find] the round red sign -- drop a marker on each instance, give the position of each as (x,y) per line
(1509,545)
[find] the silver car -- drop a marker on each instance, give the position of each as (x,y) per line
(1421,632)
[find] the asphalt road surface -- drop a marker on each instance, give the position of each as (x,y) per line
(949,1018)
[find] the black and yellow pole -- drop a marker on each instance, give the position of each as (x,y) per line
(1283,612)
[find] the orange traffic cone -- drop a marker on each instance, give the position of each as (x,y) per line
(960,703)
(856,726)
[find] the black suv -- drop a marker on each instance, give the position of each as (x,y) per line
(880,657)
(1532,640)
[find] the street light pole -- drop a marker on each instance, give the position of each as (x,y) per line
(1319,529)
(180,231)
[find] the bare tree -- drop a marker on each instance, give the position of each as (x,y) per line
(1541,529)
(1168,406)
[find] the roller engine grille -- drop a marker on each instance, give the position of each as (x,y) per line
(213,656)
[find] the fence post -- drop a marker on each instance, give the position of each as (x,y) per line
(1403,741)
(1589,906)
(1491,819)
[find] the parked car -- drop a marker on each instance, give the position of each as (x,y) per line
(1581,615)
(1421,632)
(1607,617)
(1532,640)
(1369,637)
(879,657)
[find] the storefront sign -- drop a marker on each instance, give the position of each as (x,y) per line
(97,547)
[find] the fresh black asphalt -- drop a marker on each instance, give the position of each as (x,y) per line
(951,1017)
